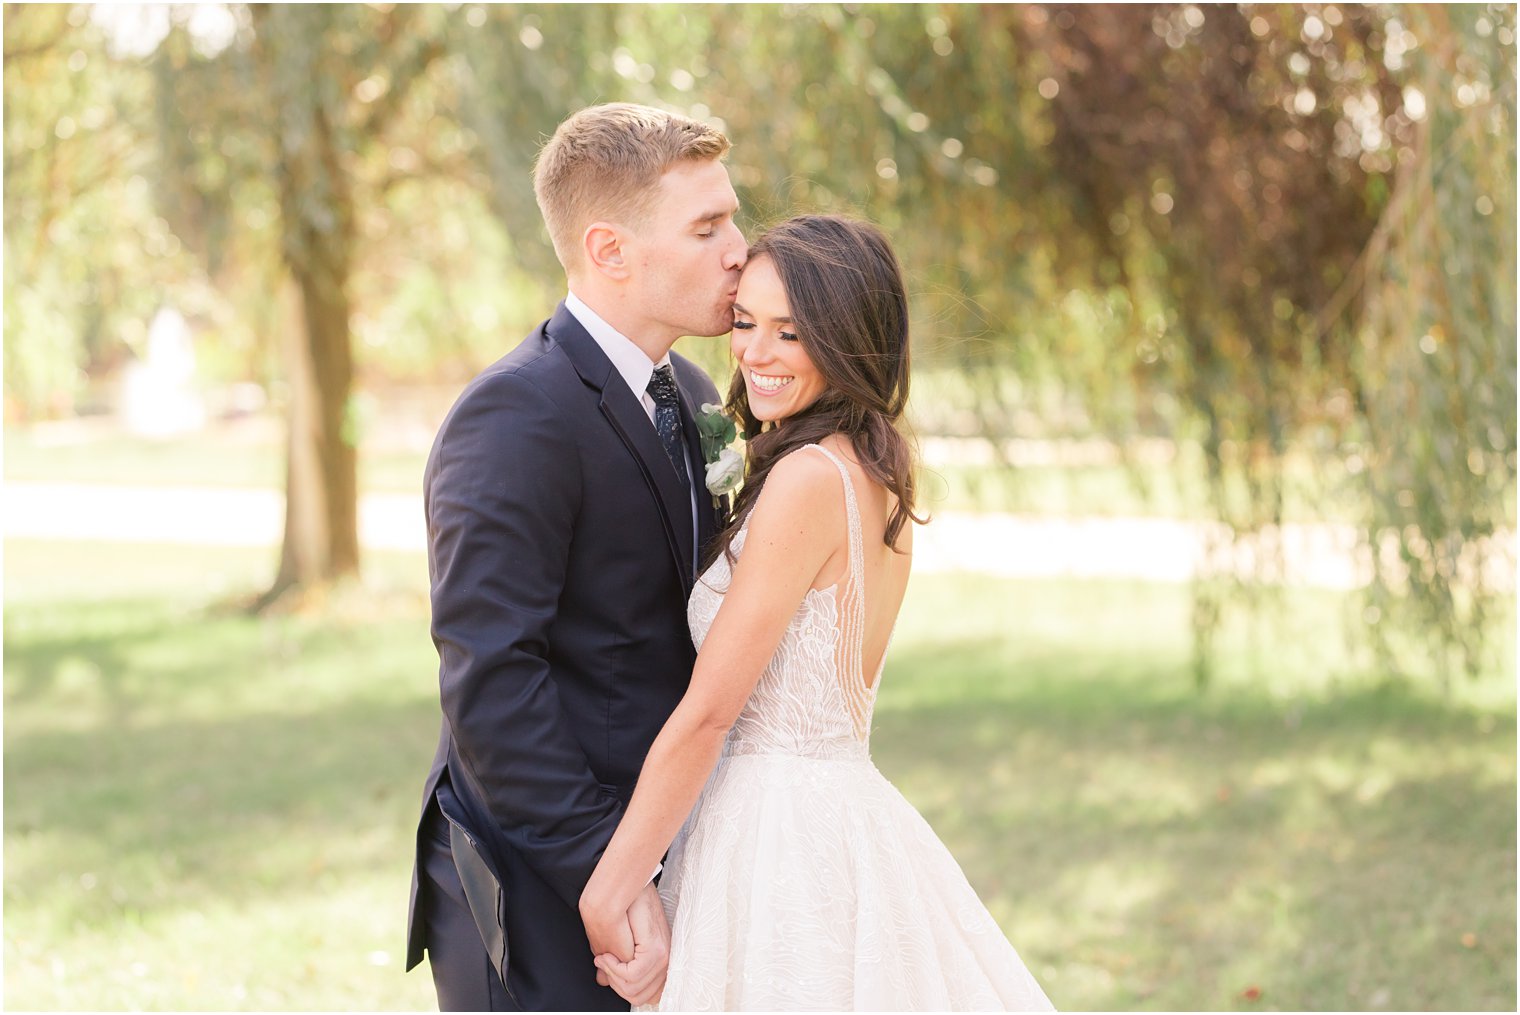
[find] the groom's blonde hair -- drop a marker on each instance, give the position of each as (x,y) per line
(605,162)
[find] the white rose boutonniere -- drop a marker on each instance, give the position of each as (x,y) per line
(724,473)
(725,466)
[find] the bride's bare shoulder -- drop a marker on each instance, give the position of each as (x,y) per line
(799,513)
(802,478)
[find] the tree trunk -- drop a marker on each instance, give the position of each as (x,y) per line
(321,543)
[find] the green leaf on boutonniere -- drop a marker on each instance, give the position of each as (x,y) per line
(716,431)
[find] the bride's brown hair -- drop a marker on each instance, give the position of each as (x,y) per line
(850,311)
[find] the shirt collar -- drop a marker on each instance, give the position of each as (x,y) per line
(629,360)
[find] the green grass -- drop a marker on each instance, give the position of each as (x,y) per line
(1326,839)
(205,810)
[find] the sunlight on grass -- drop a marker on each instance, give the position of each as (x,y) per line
(208,810)
(1148,846)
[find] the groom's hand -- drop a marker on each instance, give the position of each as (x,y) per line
(641,980)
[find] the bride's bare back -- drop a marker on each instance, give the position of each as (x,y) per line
(885,569)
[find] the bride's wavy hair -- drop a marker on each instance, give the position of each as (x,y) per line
(849,308)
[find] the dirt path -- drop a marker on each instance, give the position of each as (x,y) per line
(1154,549)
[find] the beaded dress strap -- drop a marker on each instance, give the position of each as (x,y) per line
(851,599)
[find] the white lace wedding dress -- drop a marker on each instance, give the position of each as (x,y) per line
(802,879)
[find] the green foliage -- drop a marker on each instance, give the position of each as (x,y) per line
(1240,229)
(87,262)
(717,431)
(1435,352)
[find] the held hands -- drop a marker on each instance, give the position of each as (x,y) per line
(632,947)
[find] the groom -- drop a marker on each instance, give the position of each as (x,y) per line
(566,516)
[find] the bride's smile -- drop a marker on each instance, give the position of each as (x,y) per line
(779,375)
(768,385)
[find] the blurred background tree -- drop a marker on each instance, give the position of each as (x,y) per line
(1276,241)
(299,111)
(83,247)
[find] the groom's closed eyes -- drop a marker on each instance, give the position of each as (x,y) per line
(707,224)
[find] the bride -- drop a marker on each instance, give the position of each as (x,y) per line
(800,878)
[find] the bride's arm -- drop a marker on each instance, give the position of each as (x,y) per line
(797,526)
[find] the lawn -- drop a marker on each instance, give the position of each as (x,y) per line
(209,811)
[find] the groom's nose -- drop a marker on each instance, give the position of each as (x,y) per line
(736,252)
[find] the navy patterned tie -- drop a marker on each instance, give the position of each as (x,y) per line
(667,417)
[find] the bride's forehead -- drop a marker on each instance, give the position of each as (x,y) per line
(760,288)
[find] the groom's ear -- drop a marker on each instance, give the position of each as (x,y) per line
(604,250)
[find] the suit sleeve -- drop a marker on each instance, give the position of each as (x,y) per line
(502,499)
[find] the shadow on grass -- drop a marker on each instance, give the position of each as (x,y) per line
(159,757)
(1147,847)
(41,665)
(217,797)
(1144,846)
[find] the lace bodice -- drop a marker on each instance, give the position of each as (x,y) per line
(812,699)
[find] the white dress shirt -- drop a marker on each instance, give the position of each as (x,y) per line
(635,367)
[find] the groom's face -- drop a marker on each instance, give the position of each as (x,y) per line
(688,255)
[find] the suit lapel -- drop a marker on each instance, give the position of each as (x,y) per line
(707,526)
(626,415)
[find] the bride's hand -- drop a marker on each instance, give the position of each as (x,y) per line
(611,973)
(642,980)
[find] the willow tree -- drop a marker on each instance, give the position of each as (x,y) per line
(1205,160)
(1282,234)
(1430,311)
(1319,201)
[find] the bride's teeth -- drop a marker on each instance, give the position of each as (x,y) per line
(769,384)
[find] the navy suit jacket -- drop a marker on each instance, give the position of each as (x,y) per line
(560,555)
